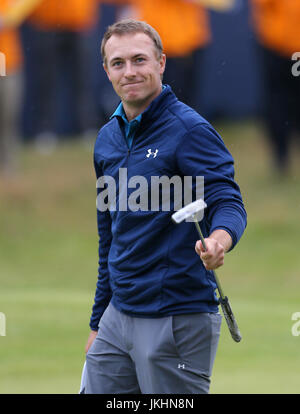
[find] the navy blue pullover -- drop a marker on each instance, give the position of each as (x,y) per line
(148,266)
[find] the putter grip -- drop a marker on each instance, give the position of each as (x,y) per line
(230,319)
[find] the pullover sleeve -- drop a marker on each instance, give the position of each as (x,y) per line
(103,292)
(202,152)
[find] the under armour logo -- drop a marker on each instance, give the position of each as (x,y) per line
(181,366)
(151,153)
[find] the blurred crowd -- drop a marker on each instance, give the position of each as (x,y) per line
(55,87)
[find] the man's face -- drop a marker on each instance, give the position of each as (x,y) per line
(134,68)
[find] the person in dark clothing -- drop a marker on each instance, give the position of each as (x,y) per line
(155,323)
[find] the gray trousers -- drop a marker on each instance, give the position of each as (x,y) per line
(169,355)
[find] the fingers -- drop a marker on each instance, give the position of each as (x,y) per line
(90,340)
(213,256)
(199,247)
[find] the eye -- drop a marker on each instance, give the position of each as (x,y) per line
(117,63)
(140,60)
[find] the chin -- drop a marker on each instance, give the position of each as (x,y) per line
(135,98)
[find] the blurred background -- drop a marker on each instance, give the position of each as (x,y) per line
(235,62)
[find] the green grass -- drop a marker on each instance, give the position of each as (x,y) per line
(48,256)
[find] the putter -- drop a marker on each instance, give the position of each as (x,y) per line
(191,211)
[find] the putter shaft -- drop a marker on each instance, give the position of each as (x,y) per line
(230,319)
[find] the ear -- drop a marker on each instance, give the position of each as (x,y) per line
(106,71)
(162,63)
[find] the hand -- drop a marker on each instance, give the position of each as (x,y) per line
(213,256)
(90,340)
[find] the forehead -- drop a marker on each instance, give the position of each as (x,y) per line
(129,45)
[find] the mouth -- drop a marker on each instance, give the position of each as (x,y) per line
(131,83)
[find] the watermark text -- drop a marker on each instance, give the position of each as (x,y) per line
(296,65)
(2,324)
(157,193)
(296,325)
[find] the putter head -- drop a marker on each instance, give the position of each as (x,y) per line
(186,213)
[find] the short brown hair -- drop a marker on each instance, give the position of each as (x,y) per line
(131,26)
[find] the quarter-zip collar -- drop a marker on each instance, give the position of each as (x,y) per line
(130,127)
(156,107)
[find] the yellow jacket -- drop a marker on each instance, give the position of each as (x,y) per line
(16,11)
(277,24)
(183,26)
(65,14)
(9,41)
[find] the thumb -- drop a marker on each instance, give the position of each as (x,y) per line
(202,247)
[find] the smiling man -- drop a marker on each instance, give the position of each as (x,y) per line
(155,324)
(135,70)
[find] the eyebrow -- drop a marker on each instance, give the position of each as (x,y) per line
(133,57)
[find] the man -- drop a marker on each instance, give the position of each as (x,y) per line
(277,29)
(10,90)
(155,321)
(57,98)
(185,48)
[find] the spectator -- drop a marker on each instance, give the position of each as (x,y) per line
(104,98)
(57,70)
(10,86)
(277,28)
(185,31)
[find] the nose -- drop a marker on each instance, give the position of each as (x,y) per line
(129,70)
